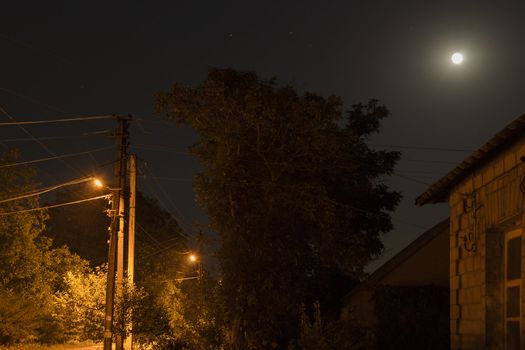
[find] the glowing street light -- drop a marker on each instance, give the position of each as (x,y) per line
(457,58)
(192,257)
(97,183)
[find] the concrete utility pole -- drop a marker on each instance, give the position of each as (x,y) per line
(131,234)
(117,208)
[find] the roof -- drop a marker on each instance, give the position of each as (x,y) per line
(385,269)
(438,192)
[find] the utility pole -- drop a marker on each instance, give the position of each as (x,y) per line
(120,266)
(131,234)
(120,248)
(117,208)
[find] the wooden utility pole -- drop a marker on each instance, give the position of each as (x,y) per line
(120,267)
(131,234)
(116,209)
(120,251)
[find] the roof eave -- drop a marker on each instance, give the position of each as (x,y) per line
(439,191)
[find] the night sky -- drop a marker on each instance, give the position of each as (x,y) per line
(73,58)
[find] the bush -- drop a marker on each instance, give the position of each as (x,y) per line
(79,308)
(412,317)
(335,335)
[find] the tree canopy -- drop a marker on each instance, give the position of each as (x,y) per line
(292,189)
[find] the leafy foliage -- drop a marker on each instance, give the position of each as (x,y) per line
(292,189)
(166,312)
(80,305)
(333,335)
(178,313)
(30,271)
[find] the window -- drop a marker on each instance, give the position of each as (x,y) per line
(512,289)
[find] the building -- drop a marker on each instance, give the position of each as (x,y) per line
(419,268)
(486,198)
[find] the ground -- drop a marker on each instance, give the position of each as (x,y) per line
(83,346)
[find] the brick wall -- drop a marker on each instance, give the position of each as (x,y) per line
(482,208)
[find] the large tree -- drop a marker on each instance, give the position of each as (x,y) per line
(291,187)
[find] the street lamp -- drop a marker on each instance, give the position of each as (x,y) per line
(97,182)
(193,258)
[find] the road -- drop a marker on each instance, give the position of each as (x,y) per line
(79,347)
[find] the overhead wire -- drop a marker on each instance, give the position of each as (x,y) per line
(106,196)
(175,149)
(50,152)
(170,178)
(53,121)
(423,148)
(68,155)
(428,161)
(37,140)
(30,99)
(160,148)
(166,248)
(32,138)
(156,281)
(46,190)
(168,148)
(155,121)
(48,138)
(409,178)
(33,47)
(178,215)
(47,149)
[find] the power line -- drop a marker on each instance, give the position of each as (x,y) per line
(55,157)
(63,120)
(427,161)
(47,138)
(168,198)
(39,142)
(156,281)
(106,196)
(174,148)
(32,47)
(31,136)
(421,172)
(153,121)
(161,250)
(47,189)
(170,178)
(2,109)
(173,212)
(423,148)
(410,179)
(160,148)
(30,99)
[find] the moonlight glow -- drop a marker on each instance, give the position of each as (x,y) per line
(457,58)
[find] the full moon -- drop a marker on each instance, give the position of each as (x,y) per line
(457,58)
